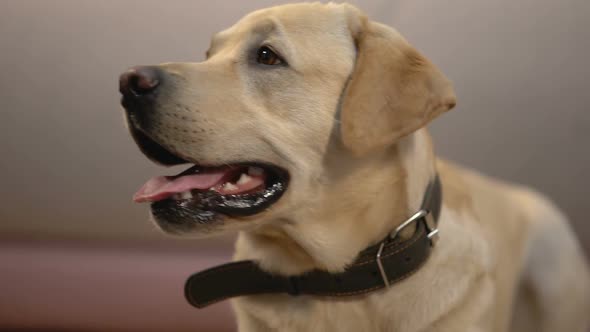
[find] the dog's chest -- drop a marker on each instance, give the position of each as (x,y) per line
(443,285)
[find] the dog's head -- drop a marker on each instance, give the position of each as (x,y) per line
(287,99)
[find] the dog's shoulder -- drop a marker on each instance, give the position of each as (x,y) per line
(482,196)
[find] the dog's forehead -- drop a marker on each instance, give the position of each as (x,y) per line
(290,18)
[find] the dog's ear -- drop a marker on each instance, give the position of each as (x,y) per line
(393,89)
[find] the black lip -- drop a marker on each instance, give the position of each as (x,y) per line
(205,206)
(208,208)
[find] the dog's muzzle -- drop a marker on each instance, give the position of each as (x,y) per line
(206,193)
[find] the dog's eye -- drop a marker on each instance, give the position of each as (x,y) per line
(267,56)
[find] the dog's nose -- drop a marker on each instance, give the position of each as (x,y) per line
(139,81)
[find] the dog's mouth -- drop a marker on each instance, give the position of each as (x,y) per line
(241,189)
(200,193)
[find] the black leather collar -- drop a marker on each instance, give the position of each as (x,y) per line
(376,267)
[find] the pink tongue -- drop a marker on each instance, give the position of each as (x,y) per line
(161,187)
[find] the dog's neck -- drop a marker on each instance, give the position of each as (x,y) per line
(395,183)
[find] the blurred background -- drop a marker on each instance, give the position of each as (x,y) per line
(76,254)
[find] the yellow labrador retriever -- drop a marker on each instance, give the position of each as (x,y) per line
(306,129)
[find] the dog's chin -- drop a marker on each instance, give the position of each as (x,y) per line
(174,222)
(204,224)
(207,199)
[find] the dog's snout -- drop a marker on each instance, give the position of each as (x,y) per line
(139,81)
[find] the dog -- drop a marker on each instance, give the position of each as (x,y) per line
(306,129)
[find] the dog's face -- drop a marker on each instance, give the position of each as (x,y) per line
(259,120)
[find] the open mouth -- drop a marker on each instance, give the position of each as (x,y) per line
(200,193)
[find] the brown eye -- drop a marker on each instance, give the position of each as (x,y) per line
(266,56)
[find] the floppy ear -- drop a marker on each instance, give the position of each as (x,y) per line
(392,92)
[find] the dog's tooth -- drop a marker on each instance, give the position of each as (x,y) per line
(244,178)
(256,171)
(186,195)
(229,186)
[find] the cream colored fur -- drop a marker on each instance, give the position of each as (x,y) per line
(347,118)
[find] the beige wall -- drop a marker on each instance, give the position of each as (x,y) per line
(68,168)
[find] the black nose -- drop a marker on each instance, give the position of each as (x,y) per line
(139,81)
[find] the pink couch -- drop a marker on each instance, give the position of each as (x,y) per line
(79,286)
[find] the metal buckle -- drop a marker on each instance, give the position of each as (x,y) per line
(431,228)
(429,222)
(432,235)
(415,217)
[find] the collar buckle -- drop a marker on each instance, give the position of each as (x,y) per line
(429,222)
(431,228)
(432,234)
